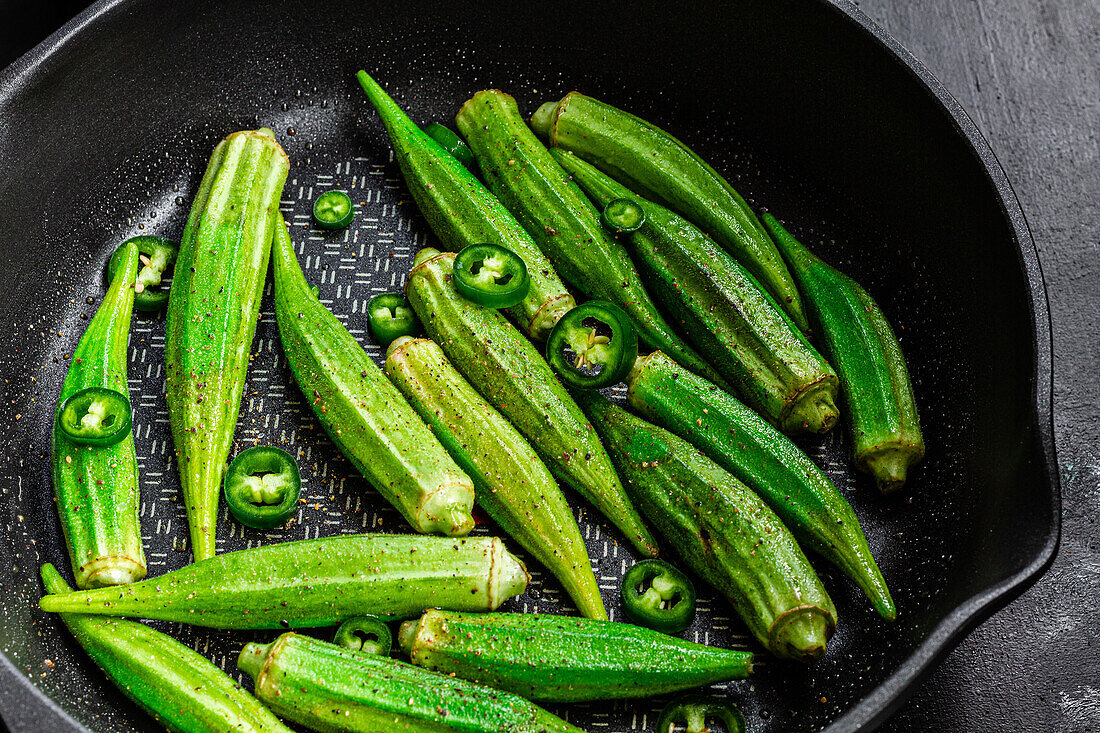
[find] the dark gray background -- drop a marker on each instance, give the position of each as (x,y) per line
(1028,72)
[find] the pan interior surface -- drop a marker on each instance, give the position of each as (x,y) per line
(106,135)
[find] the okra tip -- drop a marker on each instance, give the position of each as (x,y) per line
(508,577)
(543,118)
(889,468)
(107,571)
(814,411)
(396,344)
(800,634)
(407,634)
(424,255)
(252,658)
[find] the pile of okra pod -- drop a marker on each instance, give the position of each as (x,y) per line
(579,249)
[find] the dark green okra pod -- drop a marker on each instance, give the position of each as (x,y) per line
(736,438)
(882,411)
(364,414)
(179,687)
(562,659)
(660,167)
(97,486)
(724,312)
(329,688)
(319,582)
(213,307)
(527,180)
(513,485)
(721,530)
(514,378)
(462,212)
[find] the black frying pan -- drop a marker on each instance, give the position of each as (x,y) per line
(808,108)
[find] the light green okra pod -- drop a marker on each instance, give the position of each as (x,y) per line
(213,307)
(562,659)
(882,410)
(319,582)
(329,688)
(363,413)
(96,488)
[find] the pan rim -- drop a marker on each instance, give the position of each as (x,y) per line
(890,694)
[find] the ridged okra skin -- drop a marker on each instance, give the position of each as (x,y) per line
(725,313)
(329,688)
(514,378)
(663,169)
(179,687)
(96,488)
(213,307)
(321,582)
(512,483)
(362,412)
(462,212)
(530,184)
(882,410)
(722,531)
(736,438)
(562,659)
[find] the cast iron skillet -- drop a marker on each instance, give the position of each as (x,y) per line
(808,107)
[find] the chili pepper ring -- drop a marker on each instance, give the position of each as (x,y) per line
(658,596)
(593,346)
(491,276)
(262,487)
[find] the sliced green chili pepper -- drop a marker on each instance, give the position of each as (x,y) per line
(389,316)
(262,487)
(622,215)
(693,711)
(365,634)
(96,416)
(658,596)
(490,275)
(157,256)
(449,140)
(333,210)
(593,346)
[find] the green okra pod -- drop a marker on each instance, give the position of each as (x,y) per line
(882,411)
(724,312)
(513,484)
(514,378)
(722,531)
(462,212)
(562,659)
(530,184)
(329,688)
(736,438)
(660,167)
(213,307)
(179,687)
(362,412)
(319,582)
(96,487)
